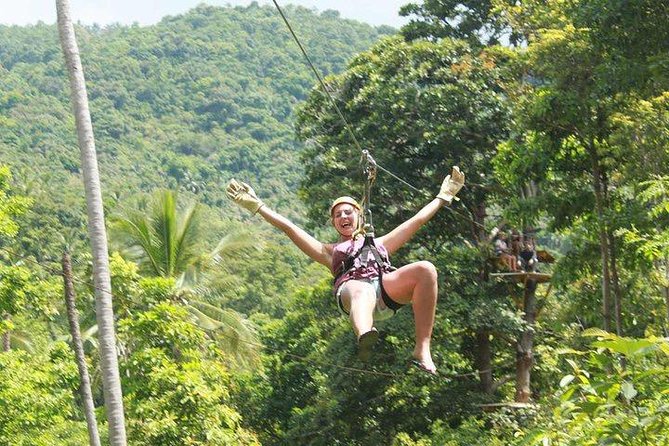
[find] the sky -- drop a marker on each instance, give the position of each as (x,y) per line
(147,12)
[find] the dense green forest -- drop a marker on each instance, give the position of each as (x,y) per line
(558,113)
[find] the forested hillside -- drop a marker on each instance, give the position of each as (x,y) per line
(184,103)
(552,317)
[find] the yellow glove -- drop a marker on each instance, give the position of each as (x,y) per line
(451,185)
(244,195)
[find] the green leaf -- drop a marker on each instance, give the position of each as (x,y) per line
(590,407)
(664,346)
(569,351)
(567,394)
(573,365)
(628,390)
(626,346)
(566,380)
(597,332)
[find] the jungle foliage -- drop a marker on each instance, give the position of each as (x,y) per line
(227,334)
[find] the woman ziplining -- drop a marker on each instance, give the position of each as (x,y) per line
(366,287)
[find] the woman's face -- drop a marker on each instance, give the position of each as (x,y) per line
(345,219)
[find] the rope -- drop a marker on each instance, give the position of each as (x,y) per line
(426,194)
(365,153)
(364,371)
(318,76)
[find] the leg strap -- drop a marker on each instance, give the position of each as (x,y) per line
(341,305)
(390,303)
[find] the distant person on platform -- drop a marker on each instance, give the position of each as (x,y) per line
(503,252)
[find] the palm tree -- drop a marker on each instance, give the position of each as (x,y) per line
(17,339)
(169,243)
(96,228)
(78,347)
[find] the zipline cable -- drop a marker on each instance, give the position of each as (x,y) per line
(347,126)
(359,370)
(326,91)
(450,208)
(318,76)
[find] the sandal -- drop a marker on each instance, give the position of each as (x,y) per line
(366,343)
(420,366)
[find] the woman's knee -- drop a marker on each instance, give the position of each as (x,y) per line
(427,270)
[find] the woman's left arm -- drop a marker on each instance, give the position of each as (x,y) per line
(403,233)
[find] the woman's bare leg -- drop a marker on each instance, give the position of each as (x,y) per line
(416,283)
(359,299)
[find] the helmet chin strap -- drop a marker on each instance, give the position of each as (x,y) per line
(359,231)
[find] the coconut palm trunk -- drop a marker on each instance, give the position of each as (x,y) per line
(78,347)
(96,228)
(6,336)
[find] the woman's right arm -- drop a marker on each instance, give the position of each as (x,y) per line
(244,195)
(309,245)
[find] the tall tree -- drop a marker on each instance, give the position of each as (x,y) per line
(419,108)
(580,78)
(472,20)
(96,228)
(78,347)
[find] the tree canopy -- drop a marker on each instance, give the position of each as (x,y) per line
(556,110)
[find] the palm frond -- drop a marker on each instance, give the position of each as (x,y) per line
(164,222)
(233,243)
(235,334)
(171,242)
(137,230)
(187,238)
(89,335)
(21,340)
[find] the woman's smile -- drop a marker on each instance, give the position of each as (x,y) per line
(345,218)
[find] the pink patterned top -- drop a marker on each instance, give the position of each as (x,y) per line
(343,250)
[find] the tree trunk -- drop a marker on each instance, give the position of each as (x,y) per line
(6,336)
(603,240)
(484,360)
(483,351)
(525,345)
(613,266)
(666,295)
(78,347)
(615,281)
(96,229)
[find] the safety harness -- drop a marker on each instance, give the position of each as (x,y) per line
(381,261)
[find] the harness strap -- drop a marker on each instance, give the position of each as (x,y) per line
(341,305)
(382,264)
(367,247)
(390,303)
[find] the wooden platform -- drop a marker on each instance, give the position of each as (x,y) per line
(522,277)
